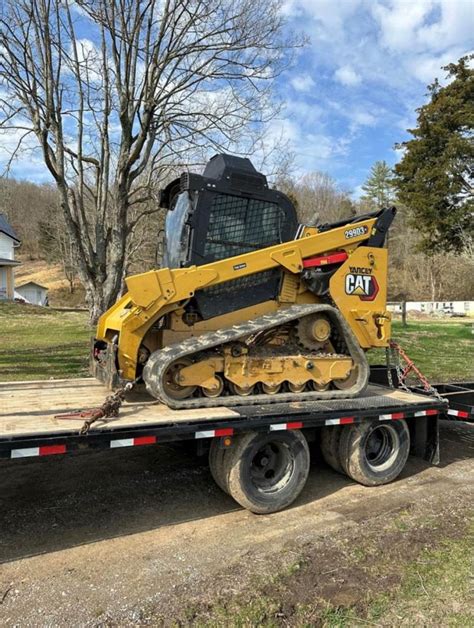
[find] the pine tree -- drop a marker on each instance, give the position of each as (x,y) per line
(379,186)
(435,178)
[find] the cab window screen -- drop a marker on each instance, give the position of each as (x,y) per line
(238,225)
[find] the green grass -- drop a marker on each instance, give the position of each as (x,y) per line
(442,351)
(38,343)
(436,588)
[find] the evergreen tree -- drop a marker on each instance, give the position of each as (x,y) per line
(435,178)
(379,186)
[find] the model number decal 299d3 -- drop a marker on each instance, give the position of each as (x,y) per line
(355,231)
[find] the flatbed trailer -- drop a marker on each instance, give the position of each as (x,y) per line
(258,454)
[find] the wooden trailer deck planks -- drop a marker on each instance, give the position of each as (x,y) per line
(28,408)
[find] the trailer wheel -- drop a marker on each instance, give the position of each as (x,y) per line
(330,437)
(374,453)
(217,456)
(266,472)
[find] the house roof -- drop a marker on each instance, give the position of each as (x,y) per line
(7,229)
(31,283)
(8,262)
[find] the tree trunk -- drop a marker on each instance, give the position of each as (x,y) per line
(404,312)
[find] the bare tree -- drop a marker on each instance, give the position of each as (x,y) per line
(318,198)
(117,91)
(56,245)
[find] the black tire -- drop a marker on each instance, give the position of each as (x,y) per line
(267,471)
(374,453)
(217,459)
(330,437)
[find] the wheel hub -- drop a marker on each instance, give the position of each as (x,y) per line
(381,446)
(271,467)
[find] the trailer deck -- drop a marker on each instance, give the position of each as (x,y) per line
(29,427)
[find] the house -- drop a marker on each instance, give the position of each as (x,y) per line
(33,292)
(462,308)
(8,242)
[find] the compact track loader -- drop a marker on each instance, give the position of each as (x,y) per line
(251,307)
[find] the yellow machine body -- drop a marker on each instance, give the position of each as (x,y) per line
(357,289)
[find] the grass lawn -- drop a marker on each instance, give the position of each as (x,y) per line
(442,351)
(38,343)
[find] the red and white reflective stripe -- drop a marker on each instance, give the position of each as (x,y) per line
(133,442)
(295,425)
(226,431)
(45,450)
(426,413)
(391,417)
(461,414)
(344,420)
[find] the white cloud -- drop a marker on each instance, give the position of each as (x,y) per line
(313,150)
(385,41)
(399,22)
(427,67)
(21,155)
(321,148)
(302,82)
(363,118)
(425,35)
(304,112)
(358,192)
(285,129)
(455,24)
(347,76)
(399,153)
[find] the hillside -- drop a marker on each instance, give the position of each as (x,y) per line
(51,276)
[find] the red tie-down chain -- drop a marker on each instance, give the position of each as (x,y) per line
(410,367)
(109,409)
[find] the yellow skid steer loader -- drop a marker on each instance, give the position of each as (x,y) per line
(251,307)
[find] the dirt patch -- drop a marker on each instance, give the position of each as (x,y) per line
(340,572)
(367,564)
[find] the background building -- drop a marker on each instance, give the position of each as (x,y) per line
(33,293)
(8,242)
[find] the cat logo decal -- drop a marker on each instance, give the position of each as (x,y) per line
(361,285)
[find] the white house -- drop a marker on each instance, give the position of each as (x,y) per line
(465,308)
(33,292)
(8,242)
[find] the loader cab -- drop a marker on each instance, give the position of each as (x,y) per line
(226,212)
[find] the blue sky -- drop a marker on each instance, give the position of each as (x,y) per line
(352,92)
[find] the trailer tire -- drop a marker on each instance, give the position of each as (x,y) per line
(267,471)
(374,453)
(217,460)
(329,442)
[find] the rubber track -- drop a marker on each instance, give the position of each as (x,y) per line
(160,360)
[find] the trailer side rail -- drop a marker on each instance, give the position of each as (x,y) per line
(460,397)
(46,445)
